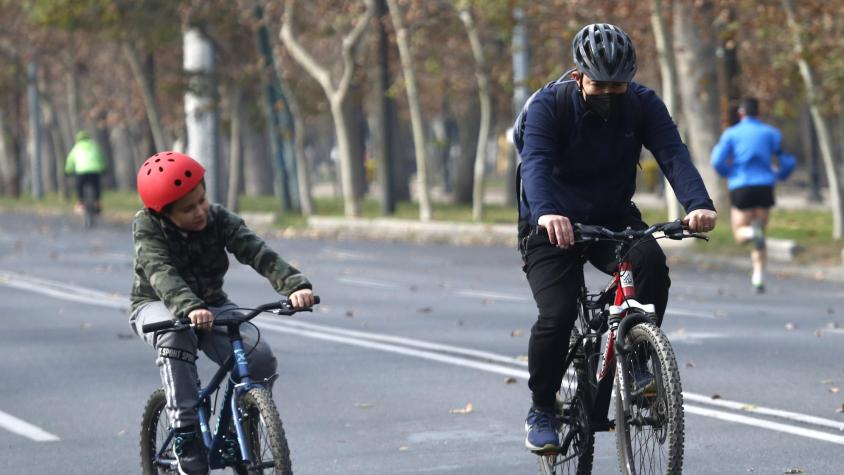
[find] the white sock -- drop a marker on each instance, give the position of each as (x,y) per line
(746,232)
(757,278)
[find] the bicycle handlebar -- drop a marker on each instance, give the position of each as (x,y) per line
(672,230)
(280,307)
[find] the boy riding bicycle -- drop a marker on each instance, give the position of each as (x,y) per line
(180,242)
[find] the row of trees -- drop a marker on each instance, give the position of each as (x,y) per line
(263,90)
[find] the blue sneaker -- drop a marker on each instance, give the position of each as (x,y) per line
(644,382)
(541,428)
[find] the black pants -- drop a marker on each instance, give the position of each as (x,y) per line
(555,276)
(88,178)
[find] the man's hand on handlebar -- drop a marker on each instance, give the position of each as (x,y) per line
(701,220)
(302,298)
(559,229)
(201,318)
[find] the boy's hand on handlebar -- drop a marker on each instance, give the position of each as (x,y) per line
(701,220)
(303,298)
(201,318)
(559,229)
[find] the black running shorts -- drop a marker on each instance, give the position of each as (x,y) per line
(752,197)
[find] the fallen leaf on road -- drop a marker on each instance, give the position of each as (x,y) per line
(749,407)
(510,380)
(363,405)
(516,333)
(818,333)
(125,336)
(690,364)
(522,358)
(413,288)
(423,310)
(404,448)
(835,390)
(350,313)
(827,381)
(122,432)
(463,410)
(86,325)
(790,326)
(840,409)
(716,396)
(793,470)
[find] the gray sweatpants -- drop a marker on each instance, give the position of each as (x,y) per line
(177,351)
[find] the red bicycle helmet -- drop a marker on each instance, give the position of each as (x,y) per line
(167,176)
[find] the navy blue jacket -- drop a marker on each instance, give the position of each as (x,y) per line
(593,180)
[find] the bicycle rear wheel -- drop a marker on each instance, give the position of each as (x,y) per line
(649,438)
(89,202)
(155,427)
(267,442)
(577,442)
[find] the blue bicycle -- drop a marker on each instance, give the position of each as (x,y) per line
(248,436)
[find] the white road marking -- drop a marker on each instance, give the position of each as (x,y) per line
(373,341)
(492,295)
(368,283)
(21,427)
(752,421)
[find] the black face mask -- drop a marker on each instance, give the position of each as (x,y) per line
(604,105)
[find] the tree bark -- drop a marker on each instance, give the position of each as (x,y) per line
(383,130)
(336,94)
(159,134)
(486,113)
(694,49)
(8,162)
(200,108)
(303,176)
(412,89)
(35,130)
(821,126)
(235,149)
(668,75)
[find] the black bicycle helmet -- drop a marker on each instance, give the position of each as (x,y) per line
(604,52)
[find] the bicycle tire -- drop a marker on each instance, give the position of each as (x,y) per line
(649,440)
(152,432)
(89,202)
(257,406)
(578,451)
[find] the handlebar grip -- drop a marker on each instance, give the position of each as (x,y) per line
(316,299)
(164,325)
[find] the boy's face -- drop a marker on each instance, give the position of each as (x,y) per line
(190,213)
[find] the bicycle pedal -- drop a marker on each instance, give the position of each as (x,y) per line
(603,426)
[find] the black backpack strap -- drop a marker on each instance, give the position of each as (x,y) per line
(564,115)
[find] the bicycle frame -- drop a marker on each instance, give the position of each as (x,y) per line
(236,365)
(618,321)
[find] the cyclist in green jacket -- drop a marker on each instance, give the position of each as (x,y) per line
(87,162)
(181,256)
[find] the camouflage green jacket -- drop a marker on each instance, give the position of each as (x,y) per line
(185,270)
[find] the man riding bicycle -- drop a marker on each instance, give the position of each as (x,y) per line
(586,173)
(87,163)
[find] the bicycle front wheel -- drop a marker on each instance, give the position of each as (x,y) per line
(267,442)
(649,437)
(155,429)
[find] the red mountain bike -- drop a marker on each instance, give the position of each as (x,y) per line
(637,357)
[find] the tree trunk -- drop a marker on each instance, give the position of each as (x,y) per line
(73,95)
(668,75)
(35,130)
(694,50)
(162,141)
(521,71)
(235,149)
(415,111)
(356,121)
(124,157)
(257,169)
(8,162)
(303,176)
(336,94)
(486,113)
(467,135)
(821,126)
(383,130)
(200,108)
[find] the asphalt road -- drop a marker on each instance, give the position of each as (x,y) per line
(407,334)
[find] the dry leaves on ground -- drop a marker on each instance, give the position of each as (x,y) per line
(463,410)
